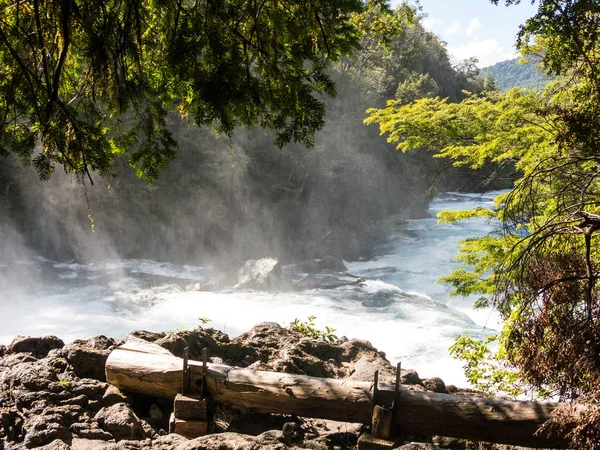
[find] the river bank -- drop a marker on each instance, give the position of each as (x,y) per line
(54,396)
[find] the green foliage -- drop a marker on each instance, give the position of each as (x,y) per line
(204,320)
(64,384)
(218,191)
(487,371)
(519,73)
(91,81)
(308,328)
(539,268)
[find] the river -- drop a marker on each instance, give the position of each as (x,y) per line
(400,309)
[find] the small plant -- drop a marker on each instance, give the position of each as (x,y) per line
(204,320)
(309,329)
(176,330)
(64,384)
(487,371)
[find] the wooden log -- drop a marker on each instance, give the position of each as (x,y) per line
(140,366)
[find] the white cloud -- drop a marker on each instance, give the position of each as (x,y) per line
(453,28)
(488,52)
(430,24)
(474,25)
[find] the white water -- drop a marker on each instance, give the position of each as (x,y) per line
(400,309)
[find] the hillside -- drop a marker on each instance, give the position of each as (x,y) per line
(509,74)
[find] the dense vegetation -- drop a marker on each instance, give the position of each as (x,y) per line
(515,73)
(540,268)
(170,69)
(240,196)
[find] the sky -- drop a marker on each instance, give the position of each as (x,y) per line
(476,27)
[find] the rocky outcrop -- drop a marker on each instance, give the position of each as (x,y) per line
(263,274)
(53,396)
(38,347)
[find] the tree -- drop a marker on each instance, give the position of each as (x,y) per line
(91,81)
(540,268)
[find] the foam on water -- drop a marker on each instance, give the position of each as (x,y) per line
(399,308)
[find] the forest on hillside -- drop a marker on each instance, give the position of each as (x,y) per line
(239,196)
(515,73)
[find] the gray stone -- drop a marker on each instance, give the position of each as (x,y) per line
(57,444)
(113,395)
(293,434)
(42,430)
(435,384)
(223,441)
(90,431)
(37,346)
(120,421)
(263,274)
(417,446)
(88,357)
(410,376)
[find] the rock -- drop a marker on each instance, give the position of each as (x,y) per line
(37,346)
(57,444)
(223,441)
(293,434)
(90,431)
(89,387)
(261,274)
(120,421)
(11,424)
(364,368)
(2,350)
(113,395)
(32,376)
(146,335)
(417,446)
(435,384)
(88,357)
(11,360)
(449,443)
(42,430)
(216,342)
(410,376)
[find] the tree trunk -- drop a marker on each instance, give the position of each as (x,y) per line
(143,367)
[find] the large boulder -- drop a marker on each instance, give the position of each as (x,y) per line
(121,422)
(262,274)
(88,357)
(37,346)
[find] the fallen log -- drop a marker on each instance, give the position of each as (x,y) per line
(143,367)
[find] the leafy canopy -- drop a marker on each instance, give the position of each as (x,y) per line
(93,80)
(540,268)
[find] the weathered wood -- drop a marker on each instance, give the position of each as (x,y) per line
(144,367)
(189,428)
(475,418)
(382,425)
(190,407)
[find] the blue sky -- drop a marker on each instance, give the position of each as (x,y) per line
(476,27)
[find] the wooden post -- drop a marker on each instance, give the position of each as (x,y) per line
(140,366)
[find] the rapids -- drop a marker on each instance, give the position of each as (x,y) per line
(400,308)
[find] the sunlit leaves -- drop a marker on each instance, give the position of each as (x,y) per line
(539,269)
(93,80)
